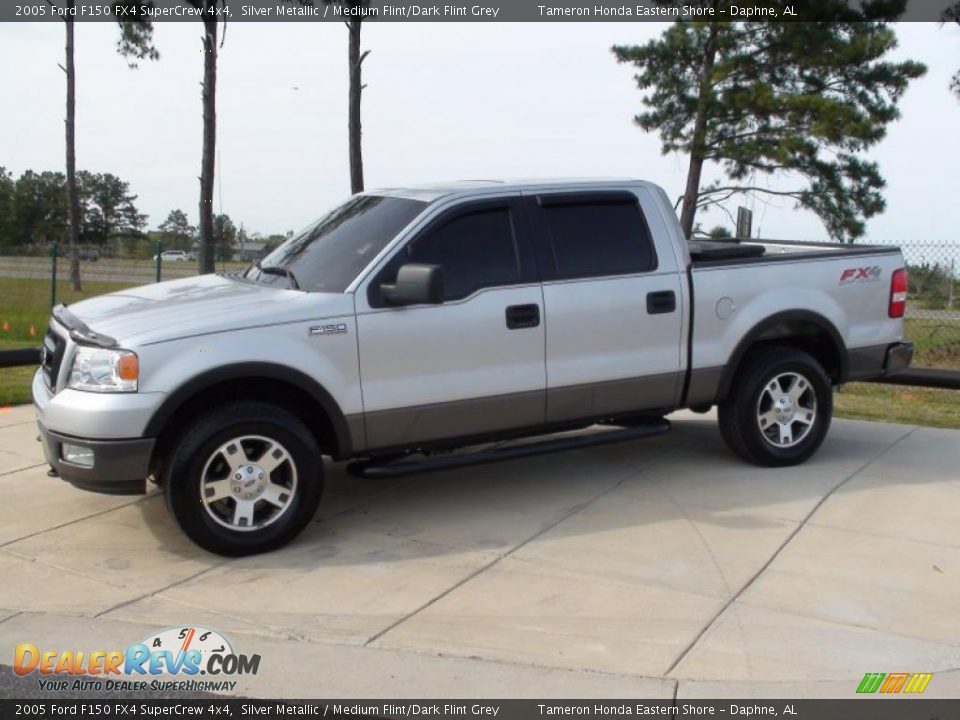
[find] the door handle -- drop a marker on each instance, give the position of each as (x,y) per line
(662,301)
(523,316)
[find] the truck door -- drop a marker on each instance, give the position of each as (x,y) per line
(472,364)
(613,307)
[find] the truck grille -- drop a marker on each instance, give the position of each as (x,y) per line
(51,357)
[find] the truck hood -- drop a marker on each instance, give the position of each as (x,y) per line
(200,305)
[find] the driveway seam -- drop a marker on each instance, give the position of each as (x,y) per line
(158,590)
(575,511)
(490,660)
(285,635)
(780,549)
(849,626)
(398,651)
(21,469)
(882,535)
(18,423)
(61,568)
(73,522)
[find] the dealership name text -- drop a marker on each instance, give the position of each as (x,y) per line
(664,710)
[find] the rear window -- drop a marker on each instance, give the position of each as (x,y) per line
(591,238)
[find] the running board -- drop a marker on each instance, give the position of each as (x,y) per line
(399,468)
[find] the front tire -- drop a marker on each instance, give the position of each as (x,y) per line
(245,478)
(779,408)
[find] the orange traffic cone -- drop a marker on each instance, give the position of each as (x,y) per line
(33,330)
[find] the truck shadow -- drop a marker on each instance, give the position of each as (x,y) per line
(497,509)
(673,519)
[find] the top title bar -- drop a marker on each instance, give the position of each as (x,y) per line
(404,11)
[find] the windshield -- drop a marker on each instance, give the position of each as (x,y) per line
(328,255)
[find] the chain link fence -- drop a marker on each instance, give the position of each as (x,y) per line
(933,308)
(96,268)
(34,279)
(30,285)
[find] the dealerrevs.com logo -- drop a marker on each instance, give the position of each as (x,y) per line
(182,651)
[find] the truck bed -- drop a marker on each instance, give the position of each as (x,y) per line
(705,250)
(713,253)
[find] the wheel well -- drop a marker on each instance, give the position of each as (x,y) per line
(817,338)
(290,397)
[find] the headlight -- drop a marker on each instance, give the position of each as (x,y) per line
(99,370)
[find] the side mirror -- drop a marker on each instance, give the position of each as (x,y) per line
(416,284)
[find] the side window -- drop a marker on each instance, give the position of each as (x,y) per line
(475,250)
(598,238)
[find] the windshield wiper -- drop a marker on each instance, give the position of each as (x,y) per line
(277,270)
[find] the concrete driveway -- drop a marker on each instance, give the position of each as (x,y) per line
(663,568)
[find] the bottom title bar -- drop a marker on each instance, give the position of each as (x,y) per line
(215,707)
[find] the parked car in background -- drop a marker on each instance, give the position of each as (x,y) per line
(415,320)
(89,255)
(173,256)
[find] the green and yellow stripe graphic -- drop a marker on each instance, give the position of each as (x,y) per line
(894,682)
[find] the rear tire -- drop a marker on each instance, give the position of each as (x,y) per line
(245,478)
(779,408)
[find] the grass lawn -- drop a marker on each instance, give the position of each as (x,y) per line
(936,345)
(24,311)
(900,404)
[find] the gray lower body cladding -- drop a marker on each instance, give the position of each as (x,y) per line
(878,361)
(120,467)
(478,417)
(866,363)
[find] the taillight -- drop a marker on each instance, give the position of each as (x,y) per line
(898,293)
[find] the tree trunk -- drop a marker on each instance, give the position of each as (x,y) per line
(209,145)
(698,146)
(356,87)
(73,202)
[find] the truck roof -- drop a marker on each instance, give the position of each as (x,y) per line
(434,191)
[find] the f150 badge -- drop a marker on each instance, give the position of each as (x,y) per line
(862,274)
(335,329)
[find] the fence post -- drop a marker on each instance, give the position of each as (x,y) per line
(53,273)
(953,282)
(159,257)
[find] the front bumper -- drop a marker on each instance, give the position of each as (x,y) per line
(119,467)
(120,464)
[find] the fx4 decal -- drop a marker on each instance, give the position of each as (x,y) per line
(860,274)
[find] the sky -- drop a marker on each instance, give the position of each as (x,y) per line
(444,101)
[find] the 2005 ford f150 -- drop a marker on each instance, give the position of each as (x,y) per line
(412,320)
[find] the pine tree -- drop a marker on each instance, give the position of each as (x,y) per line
(952,14)
(802,99)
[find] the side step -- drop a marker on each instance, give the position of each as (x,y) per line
(399,468)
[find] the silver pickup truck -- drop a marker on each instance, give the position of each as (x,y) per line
(421,319)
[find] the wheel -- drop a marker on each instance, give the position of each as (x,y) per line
(245,478)
(779,408)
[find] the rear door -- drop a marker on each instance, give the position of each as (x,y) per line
(473,364)
(613,305)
